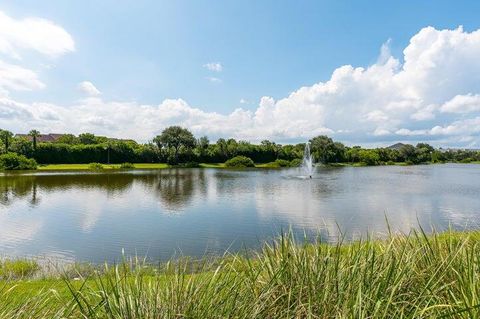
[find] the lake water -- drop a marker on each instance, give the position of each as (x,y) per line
(165,213)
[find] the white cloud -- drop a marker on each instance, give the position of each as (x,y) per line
(462,104)
(213,79)
(433,95)
(87,88)
(214,66)
(29,34)
(13,77)
(35,34)
(243,101)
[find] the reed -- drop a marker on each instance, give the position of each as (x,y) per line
(403,276)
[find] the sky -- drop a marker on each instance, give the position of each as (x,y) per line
(367,73)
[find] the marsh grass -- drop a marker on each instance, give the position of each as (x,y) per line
(403,276)
(18,268)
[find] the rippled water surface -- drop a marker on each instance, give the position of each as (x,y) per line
(160,213)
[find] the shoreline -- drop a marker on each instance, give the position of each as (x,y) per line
(140,166)
(413,274)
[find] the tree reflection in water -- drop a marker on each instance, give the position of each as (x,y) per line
(174,187)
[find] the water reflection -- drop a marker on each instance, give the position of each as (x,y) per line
(93,216)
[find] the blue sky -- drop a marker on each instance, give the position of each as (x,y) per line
(144,52)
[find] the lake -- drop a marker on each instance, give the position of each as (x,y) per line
(87,216)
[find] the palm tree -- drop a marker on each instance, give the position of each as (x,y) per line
(6,136)
(34,134)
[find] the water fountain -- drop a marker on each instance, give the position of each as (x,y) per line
(307,164)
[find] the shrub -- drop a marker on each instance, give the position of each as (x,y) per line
(282,163)
(466,160)
(277,164)
(240,162)
(13,161)
(296,162)
(127,166)
(95,166)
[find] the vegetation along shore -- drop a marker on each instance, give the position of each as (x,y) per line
(402,276)
(177,146)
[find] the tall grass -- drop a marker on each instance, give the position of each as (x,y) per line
(17,268)
(414,276)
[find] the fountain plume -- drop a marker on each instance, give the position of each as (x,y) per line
(307,163)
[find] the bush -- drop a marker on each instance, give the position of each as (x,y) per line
(467,160)
(13,161)
(240,162)
(277,164)
(282,163)
(296,162)
(95,166)
(127,166)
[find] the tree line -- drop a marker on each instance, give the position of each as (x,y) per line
(177,145)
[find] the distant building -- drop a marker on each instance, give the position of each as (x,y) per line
(43,138)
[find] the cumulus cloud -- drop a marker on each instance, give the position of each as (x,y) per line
(36,34)
(430,94)
(14,77)
(468,103)
(29,34)
(87,88)
(214,66)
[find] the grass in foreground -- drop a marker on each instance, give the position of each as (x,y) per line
(402,277)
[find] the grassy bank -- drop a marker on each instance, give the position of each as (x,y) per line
(62,167)
(401,277)
(73,167)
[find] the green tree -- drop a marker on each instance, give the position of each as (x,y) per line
(369,157)
(232,147)
(202,145)
(352,154)
(326,150)
(271,147)
(408,153)
(175,137)
(222,148)
(339,150)
(87,138)
(68,139)
(437,157)
(34,134)
(424,152)
(21,145)
(6,137)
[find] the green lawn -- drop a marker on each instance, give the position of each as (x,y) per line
(212,165)
(60,167)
